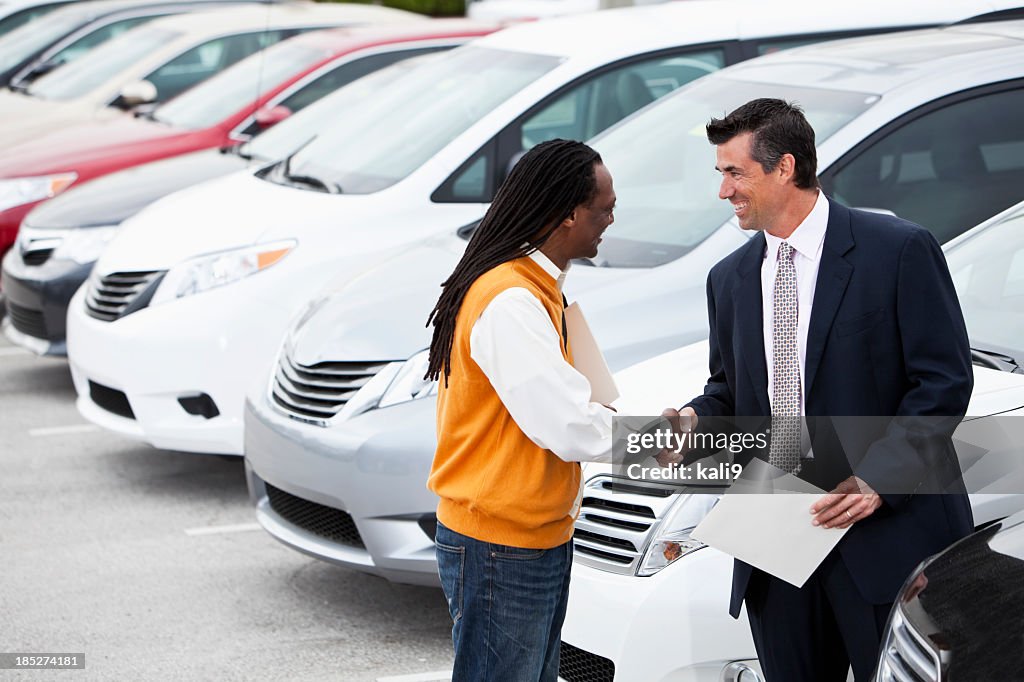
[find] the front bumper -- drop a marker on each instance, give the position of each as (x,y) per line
(210,344)
(370,470)
(38,296)
(674,625)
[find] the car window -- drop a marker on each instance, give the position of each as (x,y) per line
(947,170)
(202,61)
(595,104)
(224,94)
(98,66)
(22,17)
(23,42)
(587,108)
(988,273)
(343,74)
(664,169)
(423,110)
(101,35)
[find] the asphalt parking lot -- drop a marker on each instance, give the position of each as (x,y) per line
(150,563)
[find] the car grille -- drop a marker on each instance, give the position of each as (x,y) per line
(319,391)
(616,520)
(115,295)
(577,665)
(318,519)
(906,655)
(36,257)
(27,321)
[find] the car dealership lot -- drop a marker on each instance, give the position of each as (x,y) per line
(150,564)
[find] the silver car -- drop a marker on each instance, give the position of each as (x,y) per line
(339,441)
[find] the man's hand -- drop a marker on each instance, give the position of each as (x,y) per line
(684,421)
(853,500)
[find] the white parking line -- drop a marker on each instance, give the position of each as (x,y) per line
(12,351)
(63,430)
(438,676)
(219,530)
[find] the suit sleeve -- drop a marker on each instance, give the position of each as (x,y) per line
(717,399)
(917,452)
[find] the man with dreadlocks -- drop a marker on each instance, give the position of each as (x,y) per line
(514,419)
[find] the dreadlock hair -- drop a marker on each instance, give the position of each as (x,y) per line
(543,189)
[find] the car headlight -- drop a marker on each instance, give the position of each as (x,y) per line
(399,382)
(217,269)
(672,540)
(84,245)
(18,191)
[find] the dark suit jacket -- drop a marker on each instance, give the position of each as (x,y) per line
(886,338)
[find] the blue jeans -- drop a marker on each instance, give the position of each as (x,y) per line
(507,606)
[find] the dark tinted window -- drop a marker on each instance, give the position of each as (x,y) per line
(22,17)
(946,170)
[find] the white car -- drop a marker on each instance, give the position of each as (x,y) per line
(189,303)
(15,13)
(521,10)
(659,610)
(885,110)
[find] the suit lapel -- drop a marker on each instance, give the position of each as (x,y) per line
(750,319)
(834,273)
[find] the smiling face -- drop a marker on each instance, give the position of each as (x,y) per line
(757,197)
(589,221)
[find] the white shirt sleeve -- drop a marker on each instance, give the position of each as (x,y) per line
(518,349)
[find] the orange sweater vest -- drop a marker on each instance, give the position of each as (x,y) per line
(495,484)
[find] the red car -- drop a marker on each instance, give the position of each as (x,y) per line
(224,110)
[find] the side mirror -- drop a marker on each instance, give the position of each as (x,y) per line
(266,117)
(134,94)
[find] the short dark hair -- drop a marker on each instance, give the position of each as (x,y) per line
(543,189)
(777,127)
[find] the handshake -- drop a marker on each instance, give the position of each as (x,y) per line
(682,422)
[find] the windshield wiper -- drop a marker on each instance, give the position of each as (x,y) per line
(305,179)
(997,361)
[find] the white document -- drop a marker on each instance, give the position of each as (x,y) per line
(587,357)
(772,532)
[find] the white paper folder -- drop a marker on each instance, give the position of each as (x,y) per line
(772,532)
(587,357)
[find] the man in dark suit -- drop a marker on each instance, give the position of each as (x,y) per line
(833,312)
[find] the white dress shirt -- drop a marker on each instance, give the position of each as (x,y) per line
(807,241)
(519,350)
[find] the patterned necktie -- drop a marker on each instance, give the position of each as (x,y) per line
(786,385)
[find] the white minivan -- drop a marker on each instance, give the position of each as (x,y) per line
(206,280)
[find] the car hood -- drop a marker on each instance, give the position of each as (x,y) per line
(381,314)
(634,313)
(124,140)
(116,197)
(225,213)
(26,117)
(677,376)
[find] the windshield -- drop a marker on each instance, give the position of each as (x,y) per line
(23,42)
(988,273)
(287,136)
(664,167)
(98,66)
(373,144)
(210,102)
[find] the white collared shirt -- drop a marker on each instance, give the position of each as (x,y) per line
(807,242)
(519,350)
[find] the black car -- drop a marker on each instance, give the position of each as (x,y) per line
(68,32)
(961,614)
